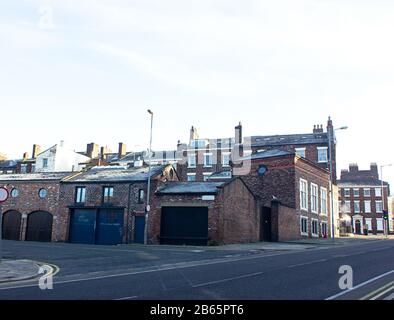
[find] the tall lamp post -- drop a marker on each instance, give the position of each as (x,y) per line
(385,223)
(330,138)
(147,209)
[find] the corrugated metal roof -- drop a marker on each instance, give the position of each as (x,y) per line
(190,188)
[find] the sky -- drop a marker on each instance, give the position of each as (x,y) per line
(86,71)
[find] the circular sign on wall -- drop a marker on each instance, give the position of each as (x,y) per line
(3,194)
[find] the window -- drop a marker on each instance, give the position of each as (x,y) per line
(347,207)
(226,159)
(192,161)
(198,143)
(324,229)
(315,228)
(108,194)
(368,222)
(304,226)
(356,206)
(379,224)
(206,175)
(45,163)
(141,195)
(207,159)
(367,205)
(191,177)
(80,194)
(347,192)
(300,152)
(322,155)
(379,206)
(304,195)
(323,200)
(367,192)
(356,192)
(24,168)
(42,193)
(378,192)
(314,198)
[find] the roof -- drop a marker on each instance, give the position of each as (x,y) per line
(289,139)
(268,154)
(116,174)
(190,188)
(35,176)
(227,174)
(361,182)
(8,163)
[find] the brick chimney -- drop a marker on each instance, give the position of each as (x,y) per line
(92,150)
(25,156)
(193,133)
(318,128)
(121,150)
(374,170)
(36,151)
(353,168)
(238,134)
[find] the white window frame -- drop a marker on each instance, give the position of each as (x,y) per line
(379,222)
(189,163)
(300,150)
(319,149)
(226,154)
(381,206)
(314,198)
(346,192)
(305,208)
(191,175)
(358,192)
(307,226)
(378,192)
(348,206)
(365,206)
(359,206)
(315,235)
(205,163)
(368,221)
(321,227)
(206,175)
(365,193)
(325,206)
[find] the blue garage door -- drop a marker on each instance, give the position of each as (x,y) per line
(139,229)
(110,226)
(82,226)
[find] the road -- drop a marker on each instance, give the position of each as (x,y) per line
(165,273)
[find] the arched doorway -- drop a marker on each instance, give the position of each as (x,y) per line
(11,226)
(39,226)
(357,227)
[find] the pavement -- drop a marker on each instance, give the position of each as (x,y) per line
(18,270)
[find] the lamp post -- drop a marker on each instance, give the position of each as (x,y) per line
(385,223)
(331,179)
(147,209)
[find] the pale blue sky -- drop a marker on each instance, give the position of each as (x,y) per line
(84,71)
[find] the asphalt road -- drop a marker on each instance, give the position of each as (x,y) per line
(165,273)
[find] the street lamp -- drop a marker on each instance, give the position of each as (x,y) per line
(147,209)
(385,223)
(331,179)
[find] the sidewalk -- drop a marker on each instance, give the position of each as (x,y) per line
(17,270)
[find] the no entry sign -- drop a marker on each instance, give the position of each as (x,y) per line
(3,194)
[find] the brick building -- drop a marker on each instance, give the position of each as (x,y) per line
(391,214)
(362,199)
(292,194)
(201,213)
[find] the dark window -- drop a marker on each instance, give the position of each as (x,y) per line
(108,194)
(80,194)
(141,196)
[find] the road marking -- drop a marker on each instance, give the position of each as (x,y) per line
(390,297)
(382,293)
(360,285)
(126,298)
(249,275)
(307,263)
(376,292)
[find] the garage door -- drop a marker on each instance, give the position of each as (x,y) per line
(82,226)
(110,226)
(97,226)
(184,226)
(11,226)
(39,226)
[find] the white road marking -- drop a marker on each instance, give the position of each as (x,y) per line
(382,293)
(228,279)
(390,297)
(360,285)
(126,298)
(307,263)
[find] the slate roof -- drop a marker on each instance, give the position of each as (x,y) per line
(289,139)
(116,174)
(268,154)
(191,188)
(47,176)
(361,182)
(8,164)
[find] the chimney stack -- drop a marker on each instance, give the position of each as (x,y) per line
(122,150)
(374,170)
(238,134)
(318,128)
(36,151)
(193,133)
(25,156)
(353,168)
(92,150)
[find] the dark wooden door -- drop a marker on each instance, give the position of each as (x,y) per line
(265,228)
(11,226)
(39,226)
(139,229)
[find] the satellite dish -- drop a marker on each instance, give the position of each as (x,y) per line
(262,170)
